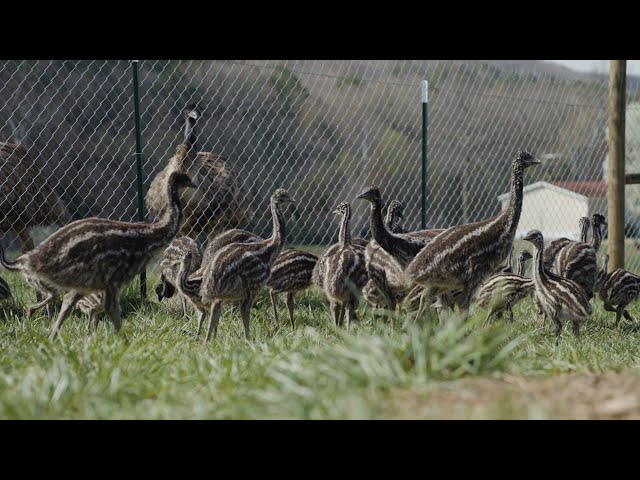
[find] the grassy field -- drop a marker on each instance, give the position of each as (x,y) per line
(457,370)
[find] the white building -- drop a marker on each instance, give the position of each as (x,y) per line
(554,208)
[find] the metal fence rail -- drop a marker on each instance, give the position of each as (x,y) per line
(320,129)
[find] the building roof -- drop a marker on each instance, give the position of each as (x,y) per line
(596,188)
(584,189)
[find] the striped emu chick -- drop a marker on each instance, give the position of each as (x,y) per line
(317,277)
(577,261)
(5,291)
(461,257)
(617,290)
(92,305)
(559,298)
(552,250)
(170,265)
(345,273)
(395,212)
(290,273)
(502,291)
(596,237)
(100,255)
(238,271)
(402,247)
(386,275)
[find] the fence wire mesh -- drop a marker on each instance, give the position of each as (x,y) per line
(321,129)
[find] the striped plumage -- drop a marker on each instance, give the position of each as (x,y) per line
(345,273)
(96,254)
(170,262)
(403,247)
(577,261)
(235,235)
(558,297)
(317,276)
(617,290)
(5,291)
(554,247)
(502,291)
(238,271)
(395,212)
(290,273)
(462,257)
(92,305)
(386,275)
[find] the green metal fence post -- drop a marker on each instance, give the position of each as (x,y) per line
(136,101)
(425,187)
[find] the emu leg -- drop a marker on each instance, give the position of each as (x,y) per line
(289,301)
(335,313)
(183,301)
(489,315)
(216,309)
(245,312)
(619,310)
(576,329)
(627,315)
(608,308)
(274,302)
(69,301)
(201,317)
(112,306)
(510,310)
(50,298)
(351,315)
(558,329)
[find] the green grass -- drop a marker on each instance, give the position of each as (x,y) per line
(162,371)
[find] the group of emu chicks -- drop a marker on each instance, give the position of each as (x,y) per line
(91,259)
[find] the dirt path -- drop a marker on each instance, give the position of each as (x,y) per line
(608,396)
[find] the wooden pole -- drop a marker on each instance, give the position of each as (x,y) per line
(617,78)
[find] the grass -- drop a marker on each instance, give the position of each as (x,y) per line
(162,371)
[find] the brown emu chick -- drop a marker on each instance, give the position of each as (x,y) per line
(558,297)
(395,212)
(170,262)
(290,273)
(554,247)
(344,274)
(220,199)
(403,247)
(100,255)
(617,290)
(597,220)
(238,271)
(461,257)
(502,291)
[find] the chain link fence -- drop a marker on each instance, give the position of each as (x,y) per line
(321,129)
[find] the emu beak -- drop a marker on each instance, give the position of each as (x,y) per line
(536,161)
(192,184)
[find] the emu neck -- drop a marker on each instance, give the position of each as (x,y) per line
(389,220)
(597,237)
(190,132)
(189,287)
(583,233)
(521,266)
(378,230)
(515,201)
(344,236)
(169,225)
(539,274)
(279,231)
